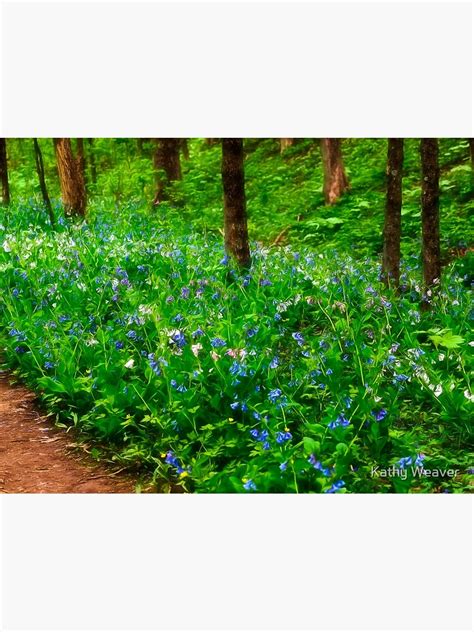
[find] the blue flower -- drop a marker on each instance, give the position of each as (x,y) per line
(405,462)
(379,415)
(132,335)
(49,365)
(265,282)
(250,485)
(197,332)
(335,487)
(119,345)
(235,405)
(224,261)
(340,421)
(298,337)
(274,395)
(178,338)
(218,342)
(252,331)
(283,466)
(282,437)
(274,363)
(185,292)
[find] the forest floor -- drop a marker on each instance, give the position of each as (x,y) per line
(36,457)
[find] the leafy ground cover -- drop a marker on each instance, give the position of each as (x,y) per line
(302,375)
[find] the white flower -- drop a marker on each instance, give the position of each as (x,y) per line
(468,395)
(196,348)
(6,246)
(130,364)
(437,390)
(441,357)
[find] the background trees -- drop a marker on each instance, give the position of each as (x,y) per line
(235,212)
(73,191)
(167,165)
(393,213)
(335,179)
(430,210)
(4,172)
(42,181)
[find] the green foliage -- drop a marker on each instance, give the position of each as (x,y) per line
(302,375)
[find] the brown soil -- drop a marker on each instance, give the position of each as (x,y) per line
(36,457)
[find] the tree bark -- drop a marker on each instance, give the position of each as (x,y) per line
(185,148)
(92,160)
(73,191)
(81,158)
(430,211)
(4,172)
(393,213)
(335,179)
(285,143)
(166,159)
(42,182)
(471,147)
(235,213)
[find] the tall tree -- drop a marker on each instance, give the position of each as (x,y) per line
(81,158)
(73,191)
(167,165)
(235,211)
(93,171)
(430,210)
(393,213)
(4,172)
(471,147)
(42,182)
(335,179)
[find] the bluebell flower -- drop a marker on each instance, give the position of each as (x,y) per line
(197,332)
(265,282)
(252,331)
(132,335)
(274,363)
(224,261)
(49,365)
(335,487)
(16,292)
(178,338)
(256,415)
(274,394)
(266,445)
(218,342)
(283,466)
(185,292)
(379,415)
(178,318)
(250,485)
(20,349)
(298,337)
(341,421)
(255,433)
(235,405)
(282,437)
(119,345)
(419,460)
(405,462)
(401,377)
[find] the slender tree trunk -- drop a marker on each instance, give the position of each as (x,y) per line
(81,159)
(92,160)
(471,147)
(335,179)
(393,213)
(4,172)
(73,191)
(235,213)
(42,182)
(430,210)
(166,160)
(285,143)
(185,148)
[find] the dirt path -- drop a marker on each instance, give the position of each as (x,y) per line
(36,457)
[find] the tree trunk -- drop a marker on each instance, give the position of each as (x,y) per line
(471,147)
(73,191)
(235,213)
(92,161)
(4,172)
(335,179)
(166,160)
(42,182)
(81,158)
(185,148)
(285,143)
(393,213)
(430,210)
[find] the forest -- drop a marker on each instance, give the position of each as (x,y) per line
(243,315)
